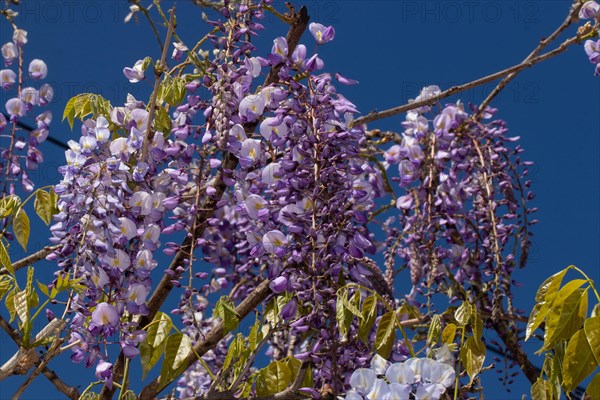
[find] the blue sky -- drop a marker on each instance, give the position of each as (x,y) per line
(393,48)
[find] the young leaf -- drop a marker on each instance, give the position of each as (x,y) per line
(369,314)
(544,299)
(579,361)
(151,349)
(565,317)
(463,313)
(43,288)
(435,329)
(20,301)
(21,228)
(448,334)
(9,302)
(69,111)
(593,389)
(5,259)
(177,348)
(5,285)
(294,365)
(541,390)
(273,379)
(591,328)
(342,316)
(351,305)
(225,310)
(385,337)
(255,336)
(43,206)
(472,354)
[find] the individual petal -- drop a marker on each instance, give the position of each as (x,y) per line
(273,240)
(379,364)
(429,391)
(278,284)
(105,314)
(363,380)
(400,373)
(38,69)
(380,390)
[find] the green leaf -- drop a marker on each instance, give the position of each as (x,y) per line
(477,325)
(69,111)
(593,389)
(544,298)
(273,379)
(369,314)
(6,284)
(591,327)
(352,304)
(463,313)
(162,122)
(255,336)
(5,259)
(20,301)
(435,329)
(236,348)
(21,228)
(566,316)
(342,316)
(386,334)
(579,361)
(43,288)
(177,348)
(294,365)
(472,354)
(152,349)
(449,333)
(225,310)
(541,390)
(43,206)
(9,302)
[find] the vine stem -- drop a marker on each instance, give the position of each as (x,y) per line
(543,43)
(158,71)
(377,115)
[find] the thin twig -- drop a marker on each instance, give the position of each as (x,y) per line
(30,259)
(543,43)
(158,71)
(377,115)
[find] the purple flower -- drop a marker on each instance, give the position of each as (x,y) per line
(8,78)
(344,80)
(15,107)
(273,241)
(279,51)
(136,73)
(252,107)
(9,52)
(38,69)
(592,49)
(20,37)
(105,314)
(321,33)
(278,284)
(589,10)
(104,372)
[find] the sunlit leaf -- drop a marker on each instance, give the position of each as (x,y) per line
(593,389)
(565,317)
(21,228)
(386,334)
(463,313)
(591,327)
(448,333)
(225,310)
(273,379)
(435,329)
(579,361)
(5,259)
(152,348)
(541,390)
(472,354)
(43,206)
(544,298)
(177,348)
(369,314)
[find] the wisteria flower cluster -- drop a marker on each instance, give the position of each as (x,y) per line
(591,10)
(19,153)
(418,378)
(464,202)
